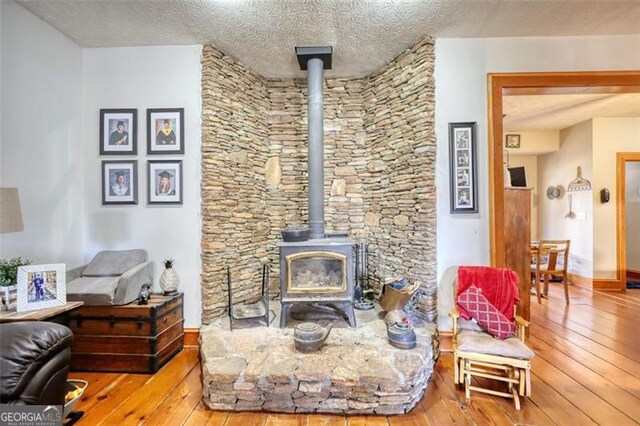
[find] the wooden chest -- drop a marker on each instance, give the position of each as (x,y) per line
(132,338)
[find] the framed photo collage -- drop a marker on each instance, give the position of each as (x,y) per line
(462,168)
(118,137)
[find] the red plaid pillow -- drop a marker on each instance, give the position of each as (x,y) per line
(488,316)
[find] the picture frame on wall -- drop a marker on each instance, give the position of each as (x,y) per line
(41,286)
(463,167)
(164,179)
(512,141)
(165,131)
(118,131)
(119,182)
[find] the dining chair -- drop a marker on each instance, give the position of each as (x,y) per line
(535,281)
(551,260)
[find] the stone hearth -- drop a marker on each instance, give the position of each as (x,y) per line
(356,371)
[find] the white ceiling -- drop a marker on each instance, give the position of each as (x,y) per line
(554,112)
(365,34)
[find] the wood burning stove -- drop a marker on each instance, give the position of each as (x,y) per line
(317,271)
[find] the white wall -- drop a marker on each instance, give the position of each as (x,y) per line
(610,135)
(52,91)
(146,77)
(1,98)
(559,168)
(41,143)
(460,73)
(461,95)
(632,199)
(530,164)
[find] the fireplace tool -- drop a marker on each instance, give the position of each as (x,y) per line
(256,310)
(362,290)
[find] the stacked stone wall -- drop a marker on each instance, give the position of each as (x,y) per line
(235,148)
(380,154)
(399,184)
(344,160)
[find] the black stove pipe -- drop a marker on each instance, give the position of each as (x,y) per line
(315,60)
(316,149)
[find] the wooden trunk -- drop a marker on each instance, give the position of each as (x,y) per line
(517,239)
(131,338)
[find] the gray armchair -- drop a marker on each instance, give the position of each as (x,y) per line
(111,278)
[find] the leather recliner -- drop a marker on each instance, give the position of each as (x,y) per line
(34,363)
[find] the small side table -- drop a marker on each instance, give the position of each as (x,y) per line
(57,314)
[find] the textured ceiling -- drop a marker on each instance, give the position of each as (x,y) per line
(554,112)
(365,34)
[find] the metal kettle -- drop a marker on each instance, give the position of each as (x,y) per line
(401,335)
(309,336)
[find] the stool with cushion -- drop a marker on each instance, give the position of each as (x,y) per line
(485,308)
(111,278)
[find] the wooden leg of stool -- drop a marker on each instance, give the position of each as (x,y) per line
(546,285)
(528,383)
(516,399)
(537,284)
(467,379)
(512,374)
(456,374)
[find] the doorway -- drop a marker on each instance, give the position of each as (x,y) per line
(545,83)
(628,176)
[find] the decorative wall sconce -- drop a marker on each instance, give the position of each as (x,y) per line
(555,192)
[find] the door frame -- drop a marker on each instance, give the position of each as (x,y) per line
(621,213)
(500,84)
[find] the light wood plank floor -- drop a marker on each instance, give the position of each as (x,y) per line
(586,371)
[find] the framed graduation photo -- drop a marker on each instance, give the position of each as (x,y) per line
(119,182)
(165,182)
(462,168)
(165,133)
(118,130)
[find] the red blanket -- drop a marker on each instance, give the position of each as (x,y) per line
(499,286)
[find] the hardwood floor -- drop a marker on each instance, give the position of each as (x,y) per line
(586,371)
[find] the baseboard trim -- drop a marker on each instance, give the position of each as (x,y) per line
(445,341)
(580,281)
(191,336)
(606,284)
(634,275)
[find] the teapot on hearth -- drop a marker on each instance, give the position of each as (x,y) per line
(309,336)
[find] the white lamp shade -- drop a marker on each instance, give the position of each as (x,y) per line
(10,212)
